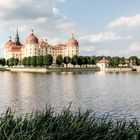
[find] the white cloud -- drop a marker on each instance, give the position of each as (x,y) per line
(104,52)
(135,47)
(125,22)
(41,15)
(55,10)
(86,48)
(104,37)
(132,49)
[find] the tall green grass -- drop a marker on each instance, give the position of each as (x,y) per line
(66,125)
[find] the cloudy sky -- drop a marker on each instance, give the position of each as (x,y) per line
(102,27)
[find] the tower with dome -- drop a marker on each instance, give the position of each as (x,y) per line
(34,46)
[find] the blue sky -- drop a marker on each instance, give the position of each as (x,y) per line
(102,27)
(94,15)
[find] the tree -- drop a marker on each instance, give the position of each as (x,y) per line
(80,61)
(114,61)
(139,61)
(16,61)
(48,60)
(40,61)
(59,60)
(67,60)
(134,60)
(24,61)
(28,61)
(7,62)
(34,61)
(74,60)
(2,62)
(122,61)
(11,62)
(87,60)
(93,62)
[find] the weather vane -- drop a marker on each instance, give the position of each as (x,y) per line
(72,35)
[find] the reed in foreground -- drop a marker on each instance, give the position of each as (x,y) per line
(65,126)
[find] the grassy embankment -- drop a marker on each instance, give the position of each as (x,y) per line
(65,126)
(3,69)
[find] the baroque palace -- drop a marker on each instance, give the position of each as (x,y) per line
(37,47)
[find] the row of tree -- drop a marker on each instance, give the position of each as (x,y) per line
(116,61)
(48,61)
(75,60)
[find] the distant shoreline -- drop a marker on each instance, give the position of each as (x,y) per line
(48,70)
(69,69)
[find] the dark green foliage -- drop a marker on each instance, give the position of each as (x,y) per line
(134,60)
(59,60)
(93,60)
(80,61)
(11,62)
(67,60)
(114,62)
(2,61)
(66,126)
(74,60)
(122,61)
(87,60)
(28,61)
(48,60)
(16,61)
(40,61)
(24,61)
(34,61)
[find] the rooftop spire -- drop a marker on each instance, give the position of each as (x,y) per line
(17,38)
(10,38)
(32,31)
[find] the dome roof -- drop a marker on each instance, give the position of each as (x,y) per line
(72,42)
(32,39)
(8,44)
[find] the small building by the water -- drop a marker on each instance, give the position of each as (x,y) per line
(103,63)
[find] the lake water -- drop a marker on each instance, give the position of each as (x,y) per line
(115,93)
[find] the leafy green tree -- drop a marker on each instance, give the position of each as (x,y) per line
(40,61)
(48,60)
(28,61)
(67,60)
(16,61)
(114,61)
(59,60)
(122,61)
(34,61)
(11,62)
(138,61)
(87,60)
(2,62)
(24,61)
(93,60)
(74,60)
(80,61)
(134,60)
(7,62)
